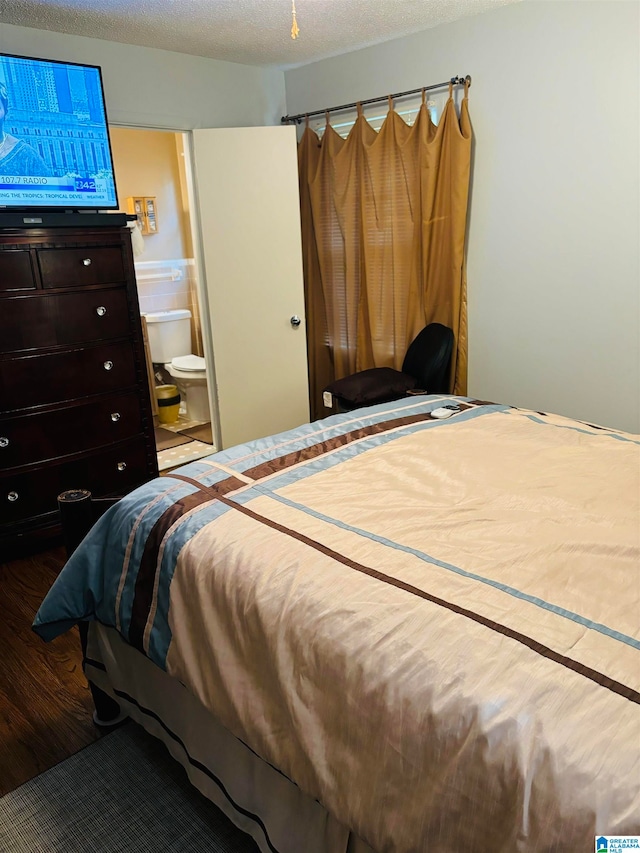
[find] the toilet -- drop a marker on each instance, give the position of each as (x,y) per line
(170,345)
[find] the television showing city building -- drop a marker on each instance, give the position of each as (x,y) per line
(54,142)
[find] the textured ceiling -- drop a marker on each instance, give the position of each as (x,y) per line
(254,32)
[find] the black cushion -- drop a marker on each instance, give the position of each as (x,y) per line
(376,385)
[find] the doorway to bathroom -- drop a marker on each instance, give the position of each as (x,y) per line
(152,182)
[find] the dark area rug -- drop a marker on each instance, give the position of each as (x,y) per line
(122,794)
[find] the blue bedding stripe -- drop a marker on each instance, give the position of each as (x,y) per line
(450,567)
(260,451)
(601,430)
(350,451)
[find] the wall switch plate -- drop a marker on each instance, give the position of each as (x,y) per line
(327,399)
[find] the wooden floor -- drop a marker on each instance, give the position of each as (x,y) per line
(45,704)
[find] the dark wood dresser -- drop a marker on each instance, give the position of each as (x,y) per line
(74,397)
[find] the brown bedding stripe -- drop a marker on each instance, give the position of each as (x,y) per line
(592,674)
(145,581)
(315,450)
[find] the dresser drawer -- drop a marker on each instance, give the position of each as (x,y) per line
(80,267)
(15,270)
(56,319)
(36,380)
(49,435)
(113,471)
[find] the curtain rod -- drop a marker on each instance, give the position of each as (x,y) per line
(455,81)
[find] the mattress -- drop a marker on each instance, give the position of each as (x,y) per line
(430,626)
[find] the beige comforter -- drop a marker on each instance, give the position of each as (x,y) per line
(432,627)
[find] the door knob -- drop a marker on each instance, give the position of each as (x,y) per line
(101,311)
(295,321)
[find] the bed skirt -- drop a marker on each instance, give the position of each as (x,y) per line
(255,796)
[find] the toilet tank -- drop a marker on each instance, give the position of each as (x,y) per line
(169,334)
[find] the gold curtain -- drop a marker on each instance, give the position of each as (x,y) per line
(383,230)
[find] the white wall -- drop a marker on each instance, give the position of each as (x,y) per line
(553,256)
(145,87)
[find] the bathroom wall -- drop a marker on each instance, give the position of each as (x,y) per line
(151,163)
(146,164)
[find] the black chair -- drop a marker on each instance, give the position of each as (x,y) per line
(425,369)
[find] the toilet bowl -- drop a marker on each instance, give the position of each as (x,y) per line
(189,374)
(170,345)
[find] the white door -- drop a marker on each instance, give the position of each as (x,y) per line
(248,211)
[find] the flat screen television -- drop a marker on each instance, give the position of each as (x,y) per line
(55,152)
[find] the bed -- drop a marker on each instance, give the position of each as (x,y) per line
(384,632)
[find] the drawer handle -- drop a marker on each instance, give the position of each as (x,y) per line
(86,262)
(4,442)
(101,311)
(115,417)
(108,365)
(12,496)
(121,466)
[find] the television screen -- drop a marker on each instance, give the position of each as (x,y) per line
(54,139)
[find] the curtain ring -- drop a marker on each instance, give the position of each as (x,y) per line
(326,117)
(306,121)
(424,97)
(358,109)
(451,88)
(467,83)
(390,103)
